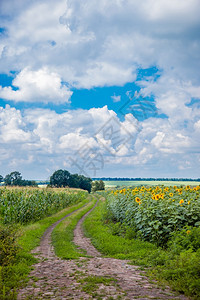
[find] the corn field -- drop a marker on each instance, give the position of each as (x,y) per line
(25,205)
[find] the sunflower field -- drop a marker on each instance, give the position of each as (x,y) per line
(155,213)
(25,205)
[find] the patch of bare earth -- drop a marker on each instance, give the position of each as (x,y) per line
(93,277)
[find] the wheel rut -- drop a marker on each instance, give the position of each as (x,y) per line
(93,277)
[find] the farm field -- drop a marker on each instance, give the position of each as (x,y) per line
(25,214)
(25,205)
(157,227)
(113,184)
(155,212)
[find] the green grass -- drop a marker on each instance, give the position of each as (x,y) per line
(32,233)
(15,275)
(112,245)
(121,183)
(62,235)
(90,284)
(176,266)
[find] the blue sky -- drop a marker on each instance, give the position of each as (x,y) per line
(100,88)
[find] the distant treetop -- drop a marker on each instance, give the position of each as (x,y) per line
(144,179)
(15,179)
(62,178)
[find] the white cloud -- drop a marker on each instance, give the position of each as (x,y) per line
(95,44)
(37,86)
(197,125)
(116,98)
(75,141)
(12,127)
(40,141)
(102,42)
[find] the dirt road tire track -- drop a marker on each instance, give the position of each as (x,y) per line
(54,278)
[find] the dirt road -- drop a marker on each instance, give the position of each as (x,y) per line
(94,277)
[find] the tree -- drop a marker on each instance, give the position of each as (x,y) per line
(1,178)
(101,185)
(60,178)
(14,178)
(74,181)
(85,183)
(24,182)
(98,185)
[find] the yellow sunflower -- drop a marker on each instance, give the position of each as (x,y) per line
(137,199)
(157,197)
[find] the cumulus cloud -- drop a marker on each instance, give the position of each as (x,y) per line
(39,141)
(36,86)
(56,47)
(12,126)
(102,42)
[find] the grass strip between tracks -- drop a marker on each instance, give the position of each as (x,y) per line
(62,235)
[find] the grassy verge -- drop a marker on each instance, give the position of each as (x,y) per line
(179,268)
(62,235)
(14,275)
(112,245)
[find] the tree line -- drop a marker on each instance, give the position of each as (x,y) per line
(60,178)
(15,179)
(144,179)
(63,178)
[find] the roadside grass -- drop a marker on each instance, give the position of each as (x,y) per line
(62,235)
(174,266)
(31,234)
(14,275)
(113,245)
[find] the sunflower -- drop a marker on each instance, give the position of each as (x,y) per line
(171,194)
(137,199)
(181,201)
(157,197)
